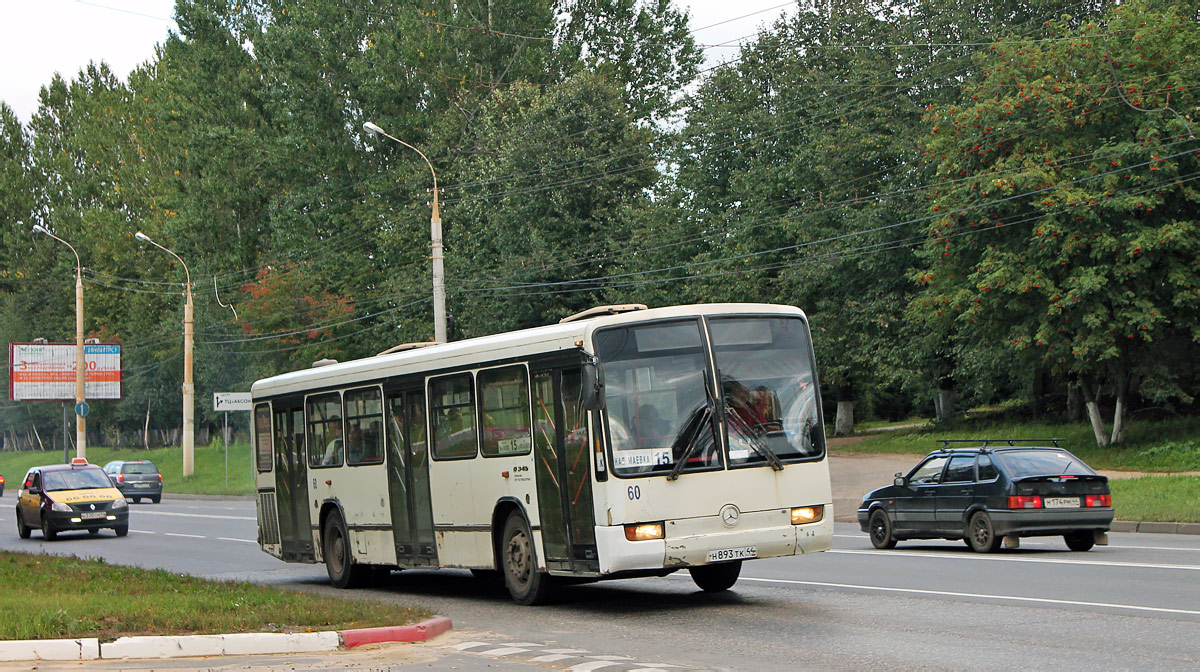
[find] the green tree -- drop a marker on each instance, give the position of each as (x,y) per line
(1064,227)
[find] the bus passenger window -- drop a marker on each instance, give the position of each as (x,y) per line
(324,420)
(452,411)
(504,395)
(364,420)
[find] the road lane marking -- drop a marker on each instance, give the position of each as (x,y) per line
(1010,558)
(190,536)
(248,541)
(194,515)
(1026,542)
(981,596)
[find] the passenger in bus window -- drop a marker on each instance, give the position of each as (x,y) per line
(333,450)
(650,424)
(354,446)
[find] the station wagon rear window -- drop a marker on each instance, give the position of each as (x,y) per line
(1026,463)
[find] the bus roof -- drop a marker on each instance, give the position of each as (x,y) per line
(512,344)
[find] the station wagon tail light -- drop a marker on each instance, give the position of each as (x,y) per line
(803,515)
(160,478)
(1098,500)
(1025,502)
(644,531)
(120,478)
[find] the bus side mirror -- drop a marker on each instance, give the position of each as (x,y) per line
(592,394)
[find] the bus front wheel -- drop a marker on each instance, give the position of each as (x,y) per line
(715,578)
(343,573)
(525,583)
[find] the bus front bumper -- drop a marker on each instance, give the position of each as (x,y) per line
(704,541)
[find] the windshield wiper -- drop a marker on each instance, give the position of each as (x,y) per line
(746,432)
(693,429)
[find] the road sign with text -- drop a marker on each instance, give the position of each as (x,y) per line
(232,401)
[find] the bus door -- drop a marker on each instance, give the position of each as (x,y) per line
(562,463)
(291,481)
(408,480)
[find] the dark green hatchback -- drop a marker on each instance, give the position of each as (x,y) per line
(989,494)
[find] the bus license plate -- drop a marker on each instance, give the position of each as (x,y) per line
(1061,502)
(91,514)
(743,553)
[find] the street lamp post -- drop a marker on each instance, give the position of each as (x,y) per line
(435,234)
(189,389)
(80,421)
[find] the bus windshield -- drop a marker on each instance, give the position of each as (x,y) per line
(662,409)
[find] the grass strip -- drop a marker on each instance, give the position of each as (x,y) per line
(53,597)
(208,477)
(1159,499)
(1158,446)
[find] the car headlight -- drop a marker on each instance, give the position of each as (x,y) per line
(119,503)
(59,506)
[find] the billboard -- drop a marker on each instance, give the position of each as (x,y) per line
(46,371)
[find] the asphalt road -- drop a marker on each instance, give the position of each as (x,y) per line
(927,605)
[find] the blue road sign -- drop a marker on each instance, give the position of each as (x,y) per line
(82,408)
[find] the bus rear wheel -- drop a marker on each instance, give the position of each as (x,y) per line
(343,573)
(525,583)
(715,578)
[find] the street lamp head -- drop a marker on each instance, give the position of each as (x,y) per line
(372,128)
(142,237)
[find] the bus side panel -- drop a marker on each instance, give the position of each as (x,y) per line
(462,538)
(497,478)
(363,493)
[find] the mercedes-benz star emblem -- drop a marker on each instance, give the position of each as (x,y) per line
(730,515)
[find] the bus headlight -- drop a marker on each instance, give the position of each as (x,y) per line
(644,531)
(803,515)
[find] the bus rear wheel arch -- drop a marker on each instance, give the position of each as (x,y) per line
(339,560)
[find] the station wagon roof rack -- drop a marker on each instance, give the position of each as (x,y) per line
(984,442)
(603,310)
(407,346)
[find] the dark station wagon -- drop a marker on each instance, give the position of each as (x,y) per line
(990,494)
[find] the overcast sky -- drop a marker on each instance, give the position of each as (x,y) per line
(41,37)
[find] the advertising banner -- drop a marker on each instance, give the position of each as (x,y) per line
(46,371)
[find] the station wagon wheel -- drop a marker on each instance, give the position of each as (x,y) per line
(881,530)
(48,531)
(22,529)
(1080,541)
(525,583)
(981,536)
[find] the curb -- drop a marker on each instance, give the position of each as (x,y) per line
(1157,528)
(401,633)
(240,644)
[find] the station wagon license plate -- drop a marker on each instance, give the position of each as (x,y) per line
(743,553)
(141,485)
(91,514)
(1061,502)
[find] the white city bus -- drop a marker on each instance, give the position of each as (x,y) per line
(621,442)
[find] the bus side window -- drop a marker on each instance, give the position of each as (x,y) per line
(452,411)
(504,400)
